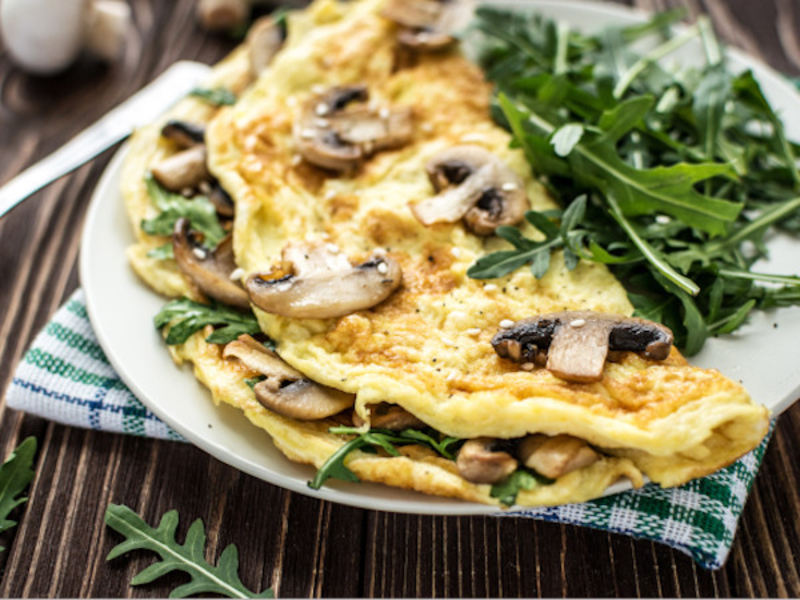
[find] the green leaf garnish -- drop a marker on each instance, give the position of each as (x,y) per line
(335,468)
(165,252)
(218,96)
(188,557)
(198,210)
(15,475)
(252,381)
(186,317)
(682,172)
(507,490)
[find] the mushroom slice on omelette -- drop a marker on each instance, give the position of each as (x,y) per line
(364,187)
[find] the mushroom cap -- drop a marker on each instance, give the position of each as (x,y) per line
(223,15)
(318,282)
(555,456)
(333,134)
(385,415)
(285,390)
(473,185)
(221,200)
(264,40)
(302,399)
(183,133)
(429,25)
(577,342)
(480,460)
(210,271)
(183,170)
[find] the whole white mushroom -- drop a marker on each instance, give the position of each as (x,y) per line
(46,36)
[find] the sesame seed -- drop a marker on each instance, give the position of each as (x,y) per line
(307,134)
(451,375)
(322,123)
(379,251)
(322,109)
(384,113)
(317,89)
(577,323)
(473,332)
(456,252)
(296,160)
(506,323)
(423,37)
(333,249)
(251,142)
(527,366)
(204,187)
(330,195)
(291,101)
(237,274)
(473,137)
(383,268)
(509,187)
(426,127)
(187,191)
(490,287)
(199,253)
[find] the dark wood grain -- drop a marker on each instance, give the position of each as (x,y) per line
(301,546)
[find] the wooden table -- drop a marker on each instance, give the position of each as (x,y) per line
(301,546)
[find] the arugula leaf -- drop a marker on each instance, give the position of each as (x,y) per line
(15,475)
(164,252)
(386,439)
(188,557)
(199,210)
(566,137)
(218,96)
(687,170)
(252,381)
(595,163)
(522,479)
(186,317)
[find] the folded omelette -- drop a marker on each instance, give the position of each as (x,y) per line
(346,161)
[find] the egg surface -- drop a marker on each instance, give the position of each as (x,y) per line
(427,347)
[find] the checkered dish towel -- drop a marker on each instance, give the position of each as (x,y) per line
(65,377)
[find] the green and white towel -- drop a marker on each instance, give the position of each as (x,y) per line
(65,377)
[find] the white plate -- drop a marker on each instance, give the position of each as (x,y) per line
(762,355)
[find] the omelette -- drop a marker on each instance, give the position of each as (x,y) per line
(365,175)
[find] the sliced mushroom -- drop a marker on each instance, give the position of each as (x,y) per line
(264,40)
(208,270)
(334,134)
(555,456)
(429,25)
(223,15)
(482,460)
(221,201)
(389,416)
(317,281)
(286,390)
(183,133)
(184,170)
(577,342)
(474,185)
